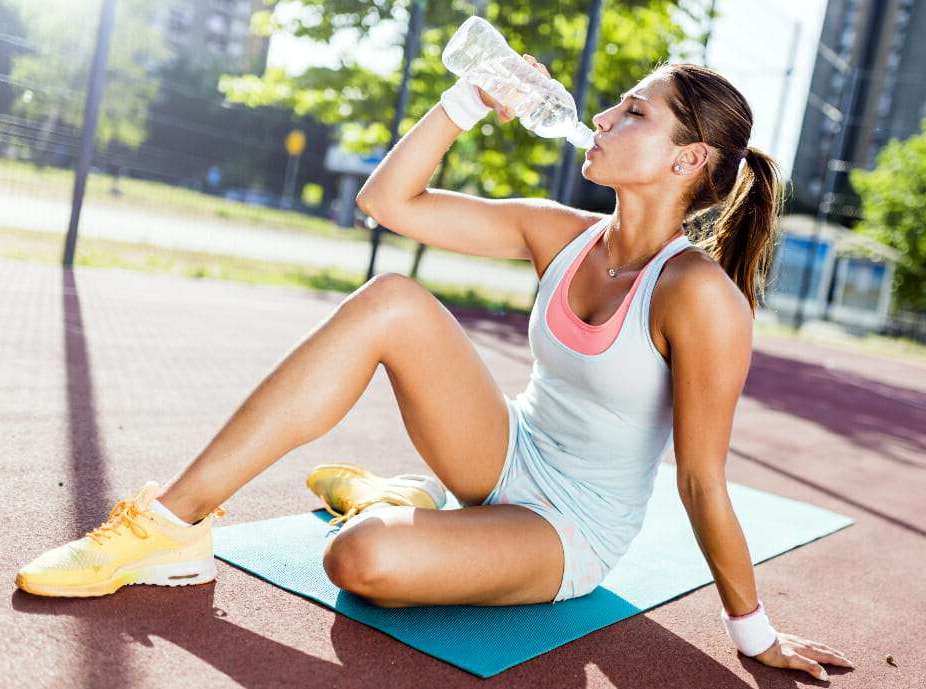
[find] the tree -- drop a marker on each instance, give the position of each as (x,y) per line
(11,44)
(893,197)
(485,161)
(55,73)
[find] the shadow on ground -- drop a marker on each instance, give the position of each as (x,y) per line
(862,410)
(117,640)
(637,652)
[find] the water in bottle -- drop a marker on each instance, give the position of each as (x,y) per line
(478,53)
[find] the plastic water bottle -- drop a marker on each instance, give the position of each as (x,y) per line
(478,53)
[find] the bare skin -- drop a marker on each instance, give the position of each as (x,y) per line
(455,415)
(504,554)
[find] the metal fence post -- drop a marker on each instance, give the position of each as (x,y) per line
(97,83)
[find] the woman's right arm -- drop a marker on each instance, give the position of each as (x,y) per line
(397,196)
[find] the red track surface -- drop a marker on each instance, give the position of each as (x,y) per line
(110,378)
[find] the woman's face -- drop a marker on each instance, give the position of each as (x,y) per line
(633,139)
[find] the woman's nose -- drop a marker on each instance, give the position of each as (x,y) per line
(600,121)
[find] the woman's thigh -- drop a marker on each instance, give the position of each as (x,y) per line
(481,555)
(453,410)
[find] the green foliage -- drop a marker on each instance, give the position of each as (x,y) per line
(893,198)
(64,32)
(490,160)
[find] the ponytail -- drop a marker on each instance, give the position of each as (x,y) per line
(741,186)
(745,235)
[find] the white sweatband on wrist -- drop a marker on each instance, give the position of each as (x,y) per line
(752,633)
(463,105)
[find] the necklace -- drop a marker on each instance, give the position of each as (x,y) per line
(613,271)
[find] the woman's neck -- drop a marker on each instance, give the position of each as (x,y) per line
(639,228)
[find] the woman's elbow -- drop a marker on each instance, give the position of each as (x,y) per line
(373,205)
(363,202)
(693,489)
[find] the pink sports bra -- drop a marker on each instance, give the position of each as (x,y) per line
(572,330)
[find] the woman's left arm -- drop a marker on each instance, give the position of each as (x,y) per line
(709,331)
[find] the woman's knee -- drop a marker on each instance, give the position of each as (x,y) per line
(357,560)
(389,302)
(390,295)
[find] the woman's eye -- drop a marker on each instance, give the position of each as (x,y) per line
(634,112)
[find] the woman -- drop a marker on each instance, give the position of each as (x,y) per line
(638,334)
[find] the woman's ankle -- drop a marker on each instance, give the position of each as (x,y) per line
(187,509)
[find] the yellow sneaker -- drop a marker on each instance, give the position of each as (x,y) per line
(133,546)
(347,489)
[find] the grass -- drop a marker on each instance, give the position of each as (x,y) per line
(30,179)
(47,247)
(58,183)
(901,348)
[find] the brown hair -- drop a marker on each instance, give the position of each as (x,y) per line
(743,238)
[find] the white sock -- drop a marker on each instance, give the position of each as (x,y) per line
(375,505)
(431,486)
(159,508)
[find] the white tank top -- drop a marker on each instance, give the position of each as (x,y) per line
(601,421)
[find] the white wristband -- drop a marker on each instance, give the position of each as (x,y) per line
(752,633)
(463,105)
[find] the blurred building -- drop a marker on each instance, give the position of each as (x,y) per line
(850,278)
(215,34)
(883,39)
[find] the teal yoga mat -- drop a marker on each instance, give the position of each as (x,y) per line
(662,563)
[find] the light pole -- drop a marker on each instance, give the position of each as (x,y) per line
(563,175)
(479,10)
(786,87)
(711,16)
(834,165)
(412,40)
(566,171)
(294,145)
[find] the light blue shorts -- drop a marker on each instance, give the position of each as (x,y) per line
(584,570)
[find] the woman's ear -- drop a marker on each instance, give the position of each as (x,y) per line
(696,156)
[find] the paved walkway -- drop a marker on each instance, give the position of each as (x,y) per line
(109,378)
(19,209)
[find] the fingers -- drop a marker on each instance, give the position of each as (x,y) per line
(816,650)
(531,59)
(799,662)
(825,654)
(504,115)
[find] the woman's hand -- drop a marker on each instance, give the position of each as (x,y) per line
(505,115)
(791,651)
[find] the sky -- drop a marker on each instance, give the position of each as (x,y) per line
(751,46)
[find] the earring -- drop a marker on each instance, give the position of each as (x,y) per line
(677,168)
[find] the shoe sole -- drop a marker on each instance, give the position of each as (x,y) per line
(173,574)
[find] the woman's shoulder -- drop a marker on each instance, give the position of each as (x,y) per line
(694,270)
(551,226)
(693,286)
